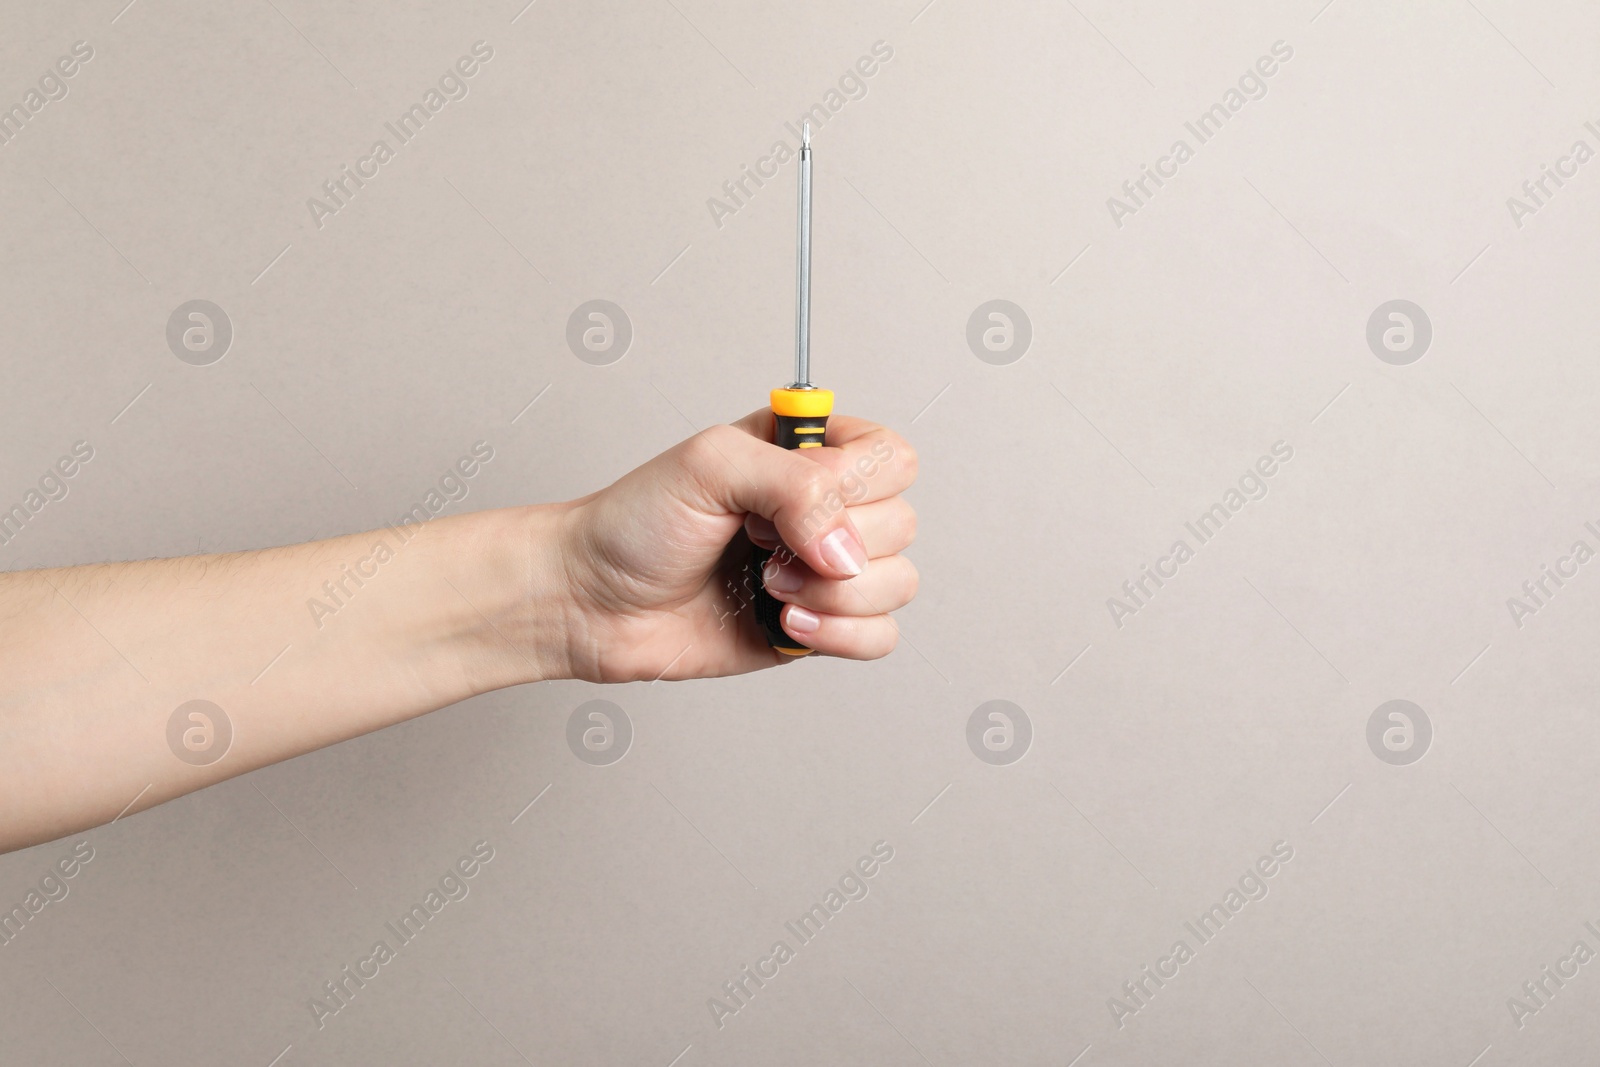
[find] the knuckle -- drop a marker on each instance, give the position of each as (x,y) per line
(720,437)
(906,455)
(813,498)
(813,483)
(913,579)
(705,447)
(887,446)
(908,526)
(889,639)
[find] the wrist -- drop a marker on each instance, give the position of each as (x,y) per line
(517,598)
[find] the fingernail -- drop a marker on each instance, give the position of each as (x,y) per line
(800,621)
(781,579)
(761,531)
(842,550)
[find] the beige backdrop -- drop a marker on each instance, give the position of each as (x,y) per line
(1274,289)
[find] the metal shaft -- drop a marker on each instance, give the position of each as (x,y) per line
(802,326)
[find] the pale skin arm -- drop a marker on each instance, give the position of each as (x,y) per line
(641,578)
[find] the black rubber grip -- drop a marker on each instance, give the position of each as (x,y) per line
(767,606)
(791,432)
(795,431)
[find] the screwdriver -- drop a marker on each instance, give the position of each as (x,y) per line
(801,410)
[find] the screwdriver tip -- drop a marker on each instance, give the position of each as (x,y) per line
(805,135)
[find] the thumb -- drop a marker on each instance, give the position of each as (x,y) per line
(729,471)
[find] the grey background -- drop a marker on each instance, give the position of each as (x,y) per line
(1168,354)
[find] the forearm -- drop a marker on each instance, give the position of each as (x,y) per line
(126,684)
(300,647)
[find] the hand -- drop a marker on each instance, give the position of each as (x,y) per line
(656,564)
(643,580)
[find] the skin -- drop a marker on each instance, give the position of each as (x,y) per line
(641,580)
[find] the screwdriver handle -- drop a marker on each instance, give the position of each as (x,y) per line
(802,422)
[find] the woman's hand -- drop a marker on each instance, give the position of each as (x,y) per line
(643,580)
(655,564)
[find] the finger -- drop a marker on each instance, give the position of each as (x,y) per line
(888,585)
(886,526)
(837,635)
(872,462)
(726,471)
(846,429)
(762,532)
